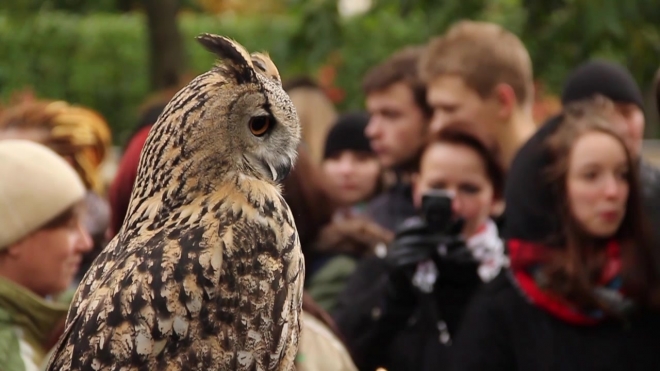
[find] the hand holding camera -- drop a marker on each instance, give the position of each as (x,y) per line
(436,236)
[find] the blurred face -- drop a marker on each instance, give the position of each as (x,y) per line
(353,176)
(49,258)
(452,100)
(397,125)
(460,170)
(36,135)
(631,124)
(596,183)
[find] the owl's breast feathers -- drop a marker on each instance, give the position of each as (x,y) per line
(218,286)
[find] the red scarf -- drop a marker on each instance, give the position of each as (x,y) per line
(526,258)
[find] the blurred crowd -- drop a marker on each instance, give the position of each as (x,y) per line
(445,226)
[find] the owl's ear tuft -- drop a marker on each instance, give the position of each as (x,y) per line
(263,63)
(235,59)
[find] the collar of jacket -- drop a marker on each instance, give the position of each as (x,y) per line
(27,310)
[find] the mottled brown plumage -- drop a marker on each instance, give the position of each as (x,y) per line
(206,273)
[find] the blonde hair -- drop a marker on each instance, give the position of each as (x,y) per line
(73,132)
(317,114)
(484,55)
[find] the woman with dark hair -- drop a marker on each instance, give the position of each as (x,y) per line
(310,203)
(353,176)
(402,314)
(321,346)
(581,291)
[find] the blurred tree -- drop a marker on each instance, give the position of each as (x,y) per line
(102,59)
(26,7)
(166,59)
(242,6)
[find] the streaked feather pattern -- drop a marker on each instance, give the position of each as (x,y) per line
(206,273)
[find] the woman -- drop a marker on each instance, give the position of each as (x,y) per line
(42,242)
(352,173)
(82,137)
(350,165)
(404,318)
(316,112)
(582,285)
(321,347)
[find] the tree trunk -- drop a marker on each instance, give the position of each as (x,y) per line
(167,59)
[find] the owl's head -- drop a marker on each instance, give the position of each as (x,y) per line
(237,115)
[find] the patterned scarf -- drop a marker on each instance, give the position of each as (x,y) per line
(526,260)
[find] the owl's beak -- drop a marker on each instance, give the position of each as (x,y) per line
(280,171)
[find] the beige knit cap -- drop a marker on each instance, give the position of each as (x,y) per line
(36,185)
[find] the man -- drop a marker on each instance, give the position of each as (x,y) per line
(656,91)
(42,241)
(396,101)
(478,72)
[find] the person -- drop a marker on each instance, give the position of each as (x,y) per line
(305,191)
(401,311)
(353,175)
(582,289)
(321,347)
(42,241)
(316,112)
(119,193)
(615,82)
(82,137)
(656,91)
(480,73)
(397,130)
(351,166)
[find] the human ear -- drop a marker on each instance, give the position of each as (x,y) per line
(14,250)
(497,207)
(506,100)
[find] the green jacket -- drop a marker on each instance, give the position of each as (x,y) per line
(26,323)
(326,285)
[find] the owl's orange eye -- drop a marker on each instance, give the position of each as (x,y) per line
(259,125)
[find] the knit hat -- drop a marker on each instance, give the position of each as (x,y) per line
(602,77)
(348,134)
(529,197)
(36,185)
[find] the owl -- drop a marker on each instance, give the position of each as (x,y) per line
(206,273)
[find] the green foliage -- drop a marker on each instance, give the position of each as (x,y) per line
(27,7)
(97,61)
(101,59)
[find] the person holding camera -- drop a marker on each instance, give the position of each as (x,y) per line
(400,311)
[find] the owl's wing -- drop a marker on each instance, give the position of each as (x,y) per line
(143,302)
(91,280)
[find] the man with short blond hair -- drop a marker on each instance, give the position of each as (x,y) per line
(479,72)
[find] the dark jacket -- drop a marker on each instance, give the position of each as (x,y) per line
(392,207)
(650,181)
(402,329)
(502,331)
(384,333)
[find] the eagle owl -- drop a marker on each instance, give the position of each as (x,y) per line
(206,272)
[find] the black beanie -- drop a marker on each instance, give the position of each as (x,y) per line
(348,134)
(530,199)
(602,77)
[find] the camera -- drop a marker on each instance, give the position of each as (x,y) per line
(438,215)
(432,235)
